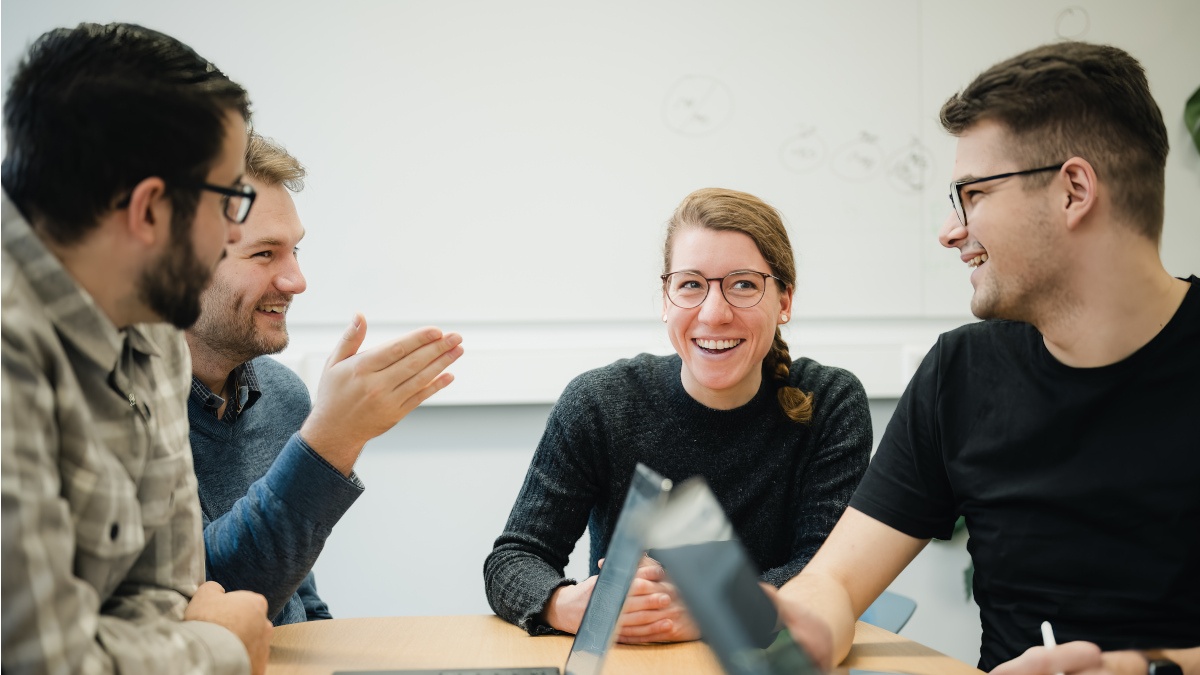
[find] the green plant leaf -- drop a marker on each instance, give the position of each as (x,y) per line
(1191,116)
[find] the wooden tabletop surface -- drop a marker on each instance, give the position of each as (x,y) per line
(482,641)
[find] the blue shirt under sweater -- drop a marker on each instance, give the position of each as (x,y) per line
(269,500)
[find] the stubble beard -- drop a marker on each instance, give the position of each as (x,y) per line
(1032,294)
(227,327)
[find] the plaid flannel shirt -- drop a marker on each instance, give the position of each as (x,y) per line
(102,544)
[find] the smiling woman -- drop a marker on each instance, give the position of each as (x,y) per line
(782,443)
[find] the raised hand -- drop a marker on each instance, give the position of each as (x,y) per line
(362,395)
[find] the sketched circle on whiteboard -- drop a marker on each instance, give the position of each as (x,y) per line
(697,105)
(910,169)
(858,160)
(803,152)
(1072,23)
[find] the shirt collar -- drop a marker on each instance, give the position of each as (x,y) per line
(247,392)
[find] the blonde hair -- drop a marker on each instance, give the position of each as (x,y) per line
(269,162)
(733,211)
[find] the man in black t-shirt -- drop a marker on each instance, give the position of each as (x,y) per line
(1066,426)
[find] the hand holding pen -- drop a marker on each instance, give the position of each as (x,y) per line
(1054,659)
(1048,639)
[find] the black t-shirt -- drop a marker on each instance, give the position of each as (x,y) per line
(1080,486)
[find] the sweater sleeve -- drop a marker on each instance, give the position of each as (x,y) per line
(550,514)
(314,607)
(841,448)
(270,539)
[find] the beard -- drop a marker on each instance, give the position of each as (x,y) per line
(227,325)
(171,286)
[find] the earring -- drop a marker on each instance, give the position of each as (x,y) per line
(783,317)
(664,318)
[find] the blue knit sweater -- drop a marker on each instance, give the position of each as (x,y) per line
(269,500)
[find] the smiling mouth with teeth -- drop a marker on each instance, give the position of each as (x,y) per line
(274,309)
(977,260)
(716,346)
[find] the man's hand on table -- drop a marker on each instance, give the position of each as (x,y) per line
(244,613)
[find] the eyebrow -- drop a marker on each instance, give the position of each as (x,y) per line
(265,241)
(733,271)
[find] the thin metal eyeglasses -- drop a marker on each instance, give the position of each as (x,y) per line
(740,288)
(956,187)
(235,201)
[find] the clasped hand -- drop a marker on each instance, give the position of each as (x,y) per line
(653,611)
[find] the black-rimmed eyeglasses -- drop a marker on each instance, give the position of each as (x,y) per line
(956,187)
(740,288)
(235,200)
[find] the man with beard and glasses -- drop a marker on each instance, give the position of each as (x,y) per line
(275,477)
(1064,426)
(122,186)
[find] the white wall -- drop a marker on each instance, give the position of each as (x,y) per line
(461,148)
(544,130)
(439,489)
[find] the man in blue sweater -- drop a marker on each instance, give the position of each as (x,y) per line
(276,472)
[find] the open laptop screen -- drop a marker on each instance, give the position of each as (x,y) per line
(597,630)
(696,545)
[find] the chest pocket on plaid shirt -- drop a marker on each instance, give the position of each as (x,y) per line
(108,521)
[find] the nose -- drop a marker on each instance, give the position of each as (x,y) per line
(953,233)
(715,309)
(290,279)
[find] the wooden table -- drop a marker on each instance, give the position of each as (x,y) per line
(479,641)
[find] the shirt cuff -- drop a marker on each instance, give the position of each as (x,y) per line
(228,654)
(310,485)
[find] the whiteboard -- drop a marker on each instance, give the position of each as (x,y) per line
(516,161)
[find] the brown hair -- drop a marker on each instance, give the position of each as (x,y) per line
(269,162)
(732,211)
(1077,99)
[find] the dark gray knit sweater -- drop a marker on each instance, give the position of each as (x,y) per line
(782,484)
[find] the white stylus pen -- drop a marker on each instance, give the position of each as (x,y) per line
(1048,636)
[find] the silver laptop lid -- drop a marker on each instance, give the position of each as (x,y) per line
(597,630)
(697,547)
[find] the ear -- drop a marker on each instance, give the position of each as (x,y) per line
(148,217)
(1081,190)
(785,302)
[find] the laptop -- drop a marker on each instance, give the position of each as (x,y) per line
(597,630)
(697,547)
